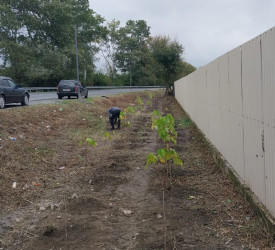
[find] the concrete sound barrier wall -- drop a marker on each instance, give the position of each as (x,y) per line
(232,101)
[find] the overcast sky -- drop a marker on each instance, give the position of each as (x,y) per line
(206,28)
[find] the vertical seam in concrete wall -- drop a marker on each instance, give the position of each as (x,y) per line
(262,100)
(242,116)
(228,107)
(219,83)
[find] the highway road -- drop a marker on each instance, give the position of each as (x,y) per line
(51,97)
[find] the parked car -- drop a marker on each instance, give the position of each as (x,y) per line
(10,92)
(71,88)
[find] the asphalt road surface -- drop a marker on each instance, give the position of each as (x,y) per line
(51,97)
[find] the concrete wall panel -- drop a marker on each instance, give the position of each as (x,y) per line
(232,100)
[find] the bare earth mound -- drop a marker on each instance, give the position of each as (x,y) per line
(58,192)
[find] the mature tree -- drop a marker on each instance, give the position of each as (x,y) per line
(12,37)
(187,69)
(168,57)
(37,45)
(37,37)
(108,48)
(132,49)
(91,30)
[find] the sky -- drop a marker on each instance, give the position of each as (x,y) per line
(206,29)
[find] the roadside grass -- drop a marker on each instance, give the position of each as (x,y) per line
(42,151)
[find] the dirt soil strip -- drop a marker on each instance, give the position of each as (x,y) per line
(114,202)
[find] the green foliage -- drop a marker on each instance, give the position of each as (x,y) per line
(168,58)
(130,110)
(121,79)
(124,114)
(140,103)
(91,142)
(151,159)
(164,125)
(131,52)
(163,156)
(187,69)
(108,47)
(100,79)
(186,122)
(156,113)
(37,39)
(166,131)
(37,44)
(107,135)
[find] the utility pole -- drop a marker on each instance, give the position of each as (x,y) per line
(76,52)
(131,78)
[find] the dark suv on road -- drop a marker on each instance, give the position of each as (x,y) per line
(10,92)
(71,88)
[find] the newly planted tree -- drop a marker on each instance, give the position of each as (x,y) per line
(164,125)
(149,102)
(140,103)
(91,142)
(124,114)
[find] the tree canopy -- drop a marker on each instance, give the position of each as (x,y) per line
(37,45)
(132,49)
(37,38)
(167,54)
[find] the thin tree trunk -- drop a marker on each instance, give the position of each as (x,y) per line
(164,218)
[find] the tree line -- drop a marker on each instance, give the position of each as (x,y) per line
(38,47)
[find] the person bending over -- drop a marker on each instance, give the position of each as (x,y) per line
(114,116)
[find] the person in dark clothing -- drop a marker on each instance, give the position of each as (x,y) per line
(114,116)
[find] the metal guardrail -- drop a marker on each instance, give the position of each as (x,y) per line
(48,89)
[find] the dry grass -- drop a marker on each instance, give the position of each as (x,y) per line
(48,137)
(51,162)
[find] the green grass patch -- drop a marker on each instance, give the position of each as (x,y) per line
(185,122)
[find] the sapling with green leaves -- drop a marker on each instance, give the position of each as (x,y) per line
(149,102)
(140,103)
(91,142)
(164,125)
(130,110)
(151,95)
(124,114)
(107,135)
